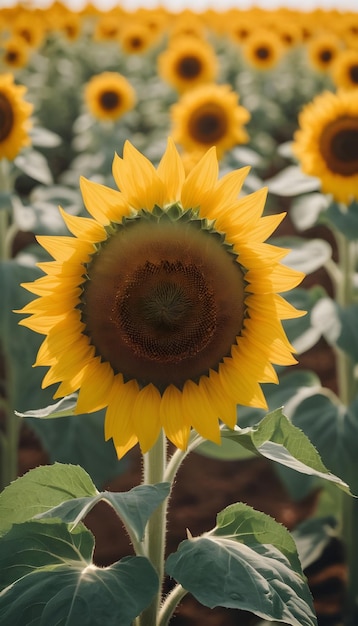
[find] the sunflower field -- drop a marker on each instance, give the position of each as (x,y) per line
(178,277)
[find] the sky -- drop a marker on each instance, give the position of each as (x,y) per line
(200,5)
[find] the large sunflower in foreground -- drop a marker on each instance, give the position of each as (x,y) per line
(327,143)
(14,117)
(188,62)
(209,115)
(164,307)
(109,95)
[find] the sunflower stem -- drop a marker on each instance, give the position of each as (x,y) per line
(169,605)
(346,389)
(154,465)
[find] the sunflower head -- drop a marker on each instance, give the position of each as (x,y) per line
(163,307)
(109,96)
(188,62)
(135,37)
(327,143)
(14,118)
(15,53)
(209,115)
(322,51)
(345,70)
(263,49)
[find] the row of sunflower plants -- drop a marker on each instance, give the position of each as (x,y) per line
(156,290)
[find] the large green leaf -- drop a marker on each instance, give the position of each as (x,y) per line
(48,577)
(333,430)
(134,507)
(276,438)
(68,493)
(248,562)
(41,489)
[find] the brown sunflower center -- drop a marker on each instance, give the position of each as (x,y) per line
(11,56)
(262,52)
(189,67)
(353,73)
(164,301)
(109,100)
(208,123)
(339,146)
(6,117)
(326,56)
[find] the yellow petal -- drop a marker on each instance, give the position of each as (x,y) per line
(171,172)
(83,227)
(145,417)
(103,203)
(118,423)
(201,414)
(95,387)
(173,419)
(201,181)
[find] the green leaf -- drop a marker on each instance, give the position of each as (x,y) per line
(48,577)
(312,536)
(333,430)
(39,490)
(247,562)
(344,218)
(134,507)
(291,182)
(348,337)
(276,438)
(305,210)
(34,164)
(63,408)
(306,255)
(44,138)
(302,333)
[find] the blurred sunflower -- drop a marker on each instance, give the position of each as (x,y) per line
(30,28)
(15,53)
(164,307)
(263,49)
(188,62)
(107,27)
(345,70)
(327,143)
(109,95)
(239,27)
(322,50)
(209,115)
(70,25)
(14,118)
(135,37)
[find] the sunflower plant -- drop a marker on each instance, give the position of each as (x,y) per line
(322,184)
(162,307)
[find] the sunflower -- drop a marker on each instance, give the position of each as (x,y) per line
(207,116)
(109,95)
(164,307)
(345,70)
(188,62)
(135,37)
(322,50)
(14,117)
(15,53)
(263,49)
(326,142)
(30,28)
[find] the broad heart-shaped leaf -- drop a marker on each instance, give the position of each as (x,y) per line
(134,507)
(39,490)
(48,577)
(248,562)
(276,438)
(333,430)
(34,164)
(291,182)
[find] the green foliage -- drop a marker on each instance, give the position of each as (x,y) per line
(48,577)
(248,561)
